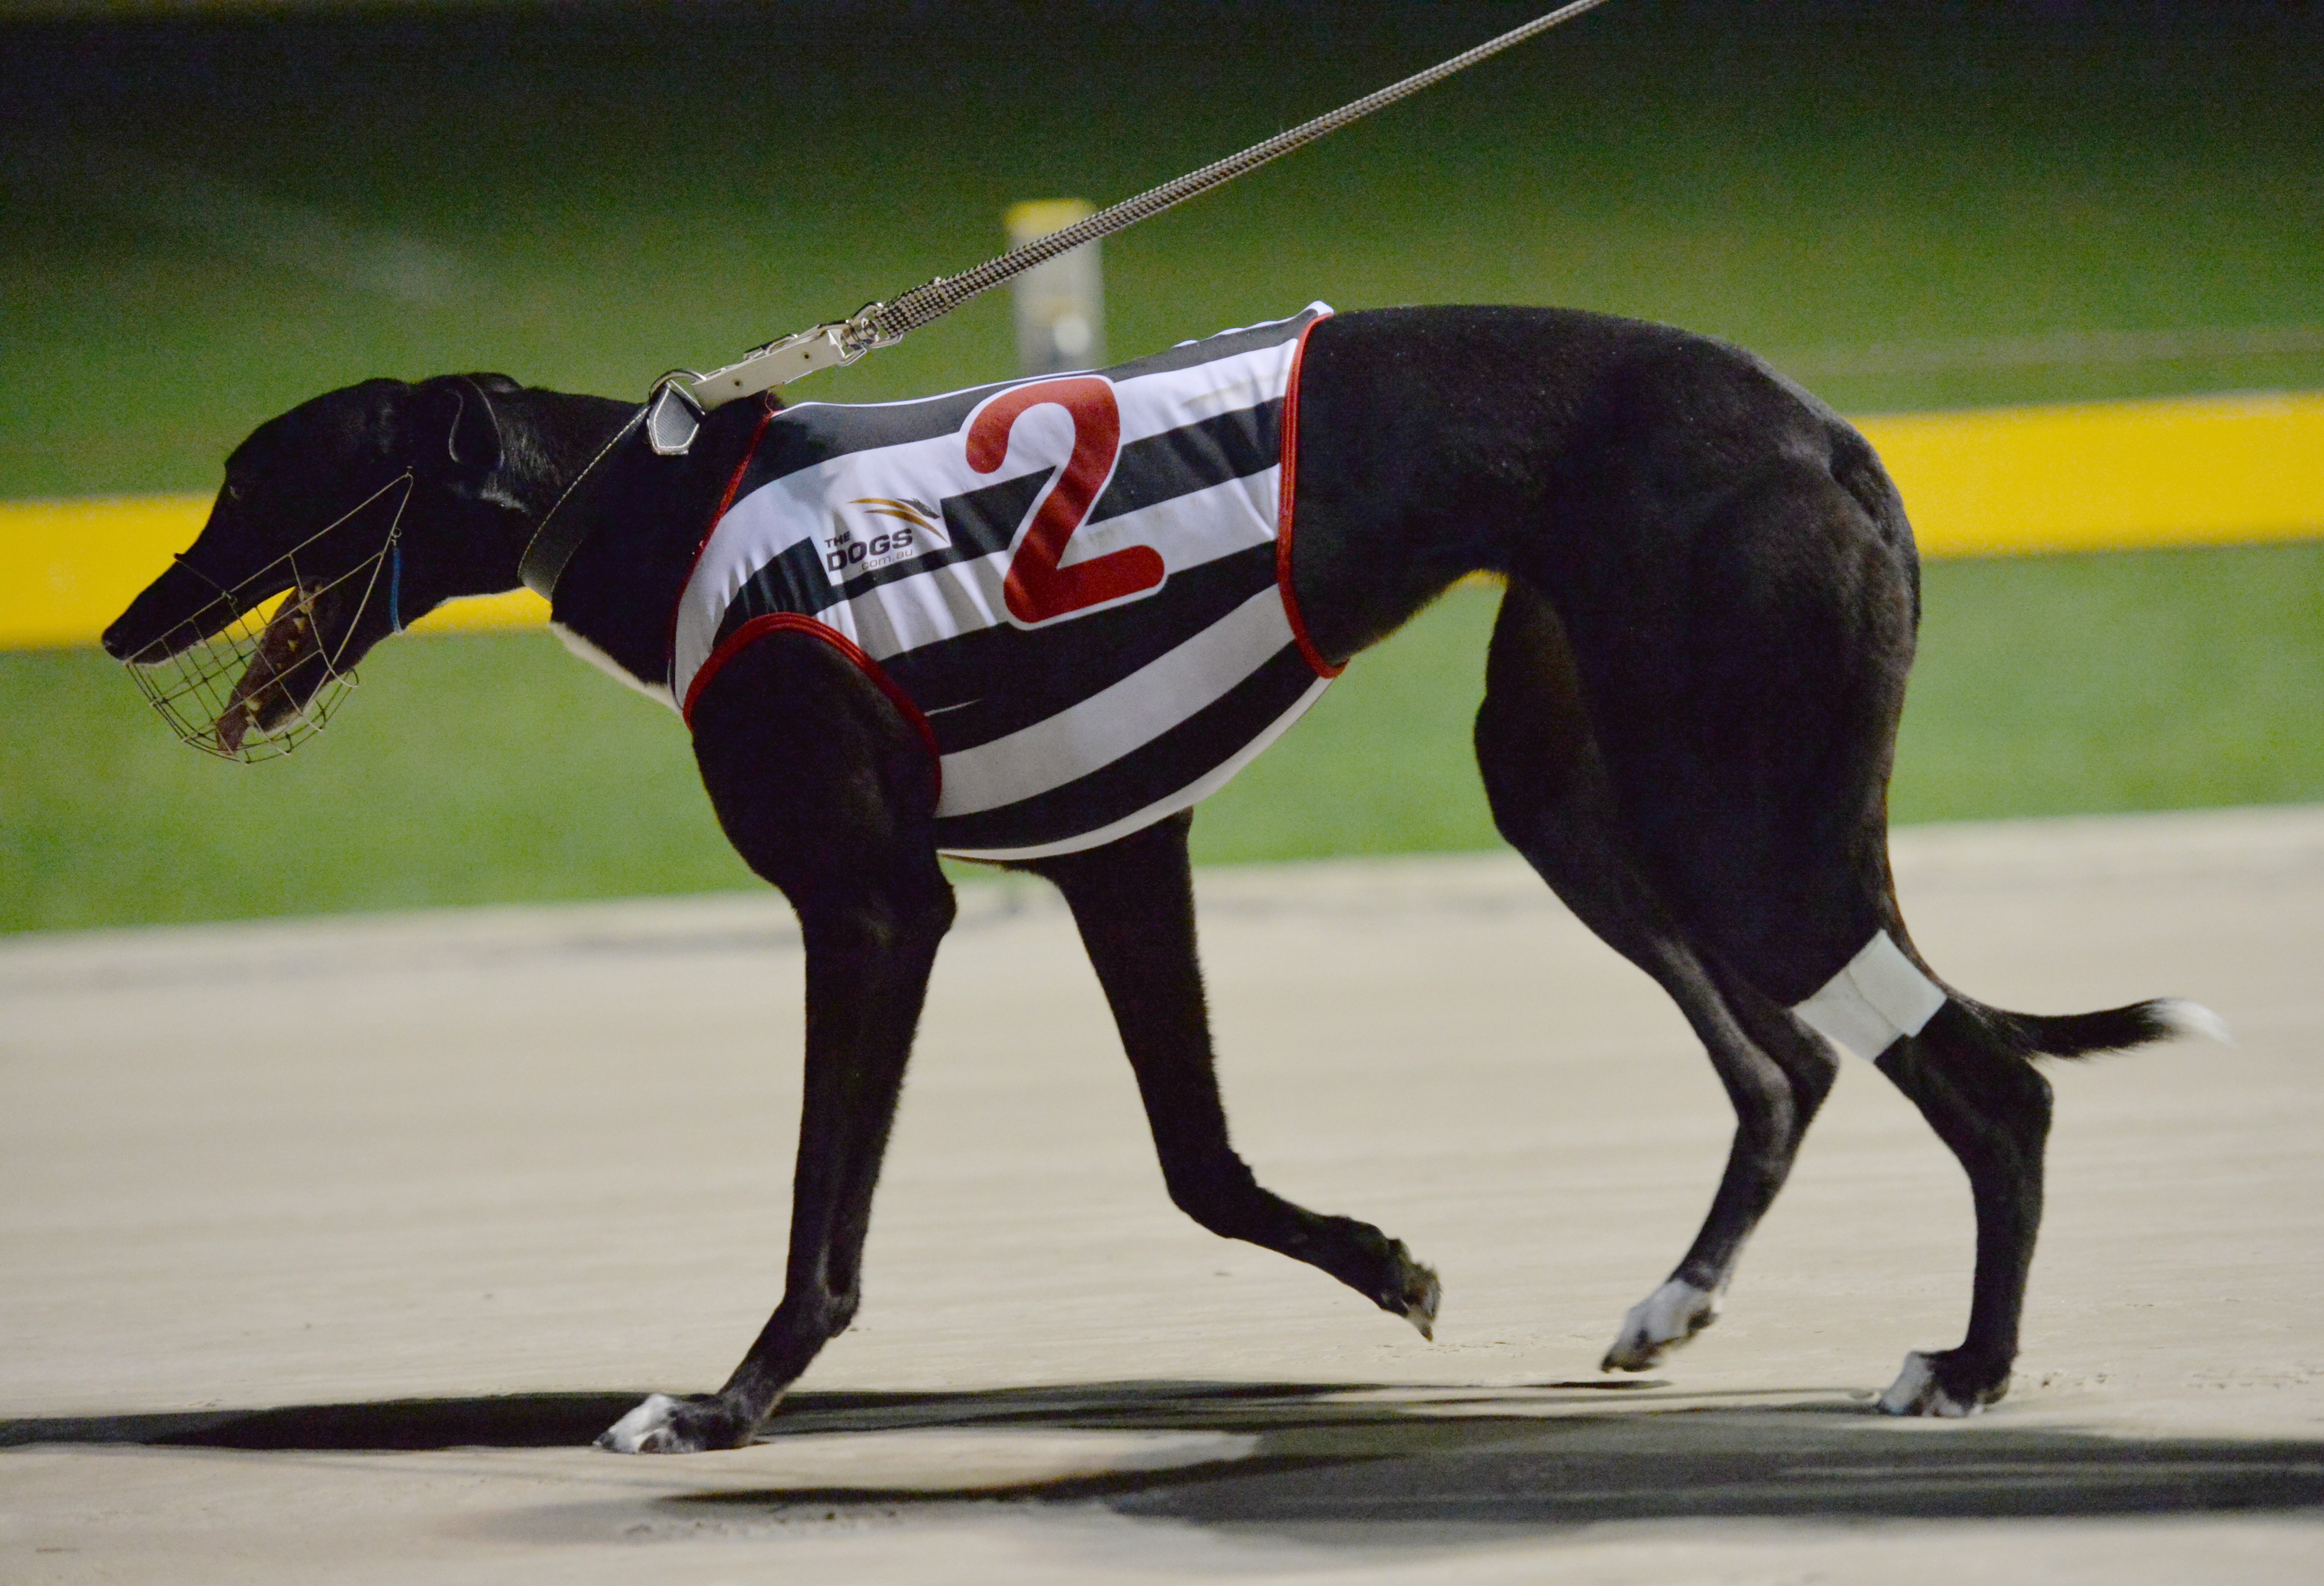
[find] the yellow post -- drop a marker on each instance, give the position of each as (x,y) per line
(1060,305)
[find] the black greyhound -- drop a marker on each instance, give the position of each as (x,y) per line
(1692,698)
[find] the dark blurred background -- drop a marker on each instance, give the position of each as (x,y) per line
(246,206)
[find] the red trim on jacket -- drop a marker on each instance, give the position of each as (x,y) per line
(758,628)
(770,405)
(1289,480)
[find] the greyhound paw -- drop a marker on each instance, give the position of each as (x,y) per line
(663,1424)
(1412,1291)
(1659,1324)
(1942,1384)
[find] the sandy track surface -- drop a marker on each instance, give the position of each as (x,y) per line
(324,1244)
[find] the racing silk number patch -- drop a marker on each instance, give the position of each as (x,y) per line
(1076,585)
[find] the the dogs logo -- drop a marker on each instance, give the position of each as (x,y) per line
(915,528)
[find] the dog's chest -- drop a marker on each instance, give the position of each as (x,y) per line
(1073,581)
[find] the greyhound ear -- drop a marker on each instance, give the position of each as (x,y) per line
(454,413)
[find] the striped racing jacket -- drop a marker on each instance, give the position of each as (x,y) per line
(1076,588)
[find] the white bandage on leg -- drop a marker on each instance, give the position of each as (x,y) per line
(1880,995)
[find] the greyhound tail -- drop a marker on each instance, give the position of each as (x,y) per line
(1887,991)
(2084,1034)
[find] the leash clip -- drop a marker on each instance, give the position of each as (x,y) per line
(673,415)
(826,346)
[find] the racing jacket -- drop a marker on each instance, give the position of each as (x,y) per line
(1076,588)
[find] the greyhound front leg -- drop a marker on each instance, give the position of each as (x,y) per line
(867,974)
(828,794)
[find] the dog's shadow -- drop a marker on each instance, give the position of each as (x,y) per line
(1354,1462)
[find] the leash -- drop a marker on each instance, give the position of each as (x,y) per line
(673,410)
(884,324)
(195,697)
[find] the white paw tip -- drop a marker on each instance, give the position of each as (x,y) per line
(1903,1394)
(1665,1319)
(2182,1018)
(644,1430)
(1915,1393)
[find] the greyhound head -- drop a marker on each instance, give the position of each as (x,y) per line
(367,507)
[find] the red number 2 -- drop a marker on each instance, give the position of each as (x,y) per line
(1036,590)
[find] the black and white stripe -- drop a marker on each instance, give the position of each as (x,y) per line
(1069,733)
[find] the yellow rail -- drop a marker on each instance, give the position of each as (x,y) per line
(68,568)
(2215,470)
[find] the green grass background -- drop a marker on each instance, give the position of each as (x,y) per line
(496,769)
(598,192)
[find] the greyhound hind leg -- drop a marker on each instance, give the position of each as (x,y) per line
(1991,1107)
(1552,799)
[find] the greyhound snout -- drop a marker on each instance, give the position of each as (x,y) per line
(176,612)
